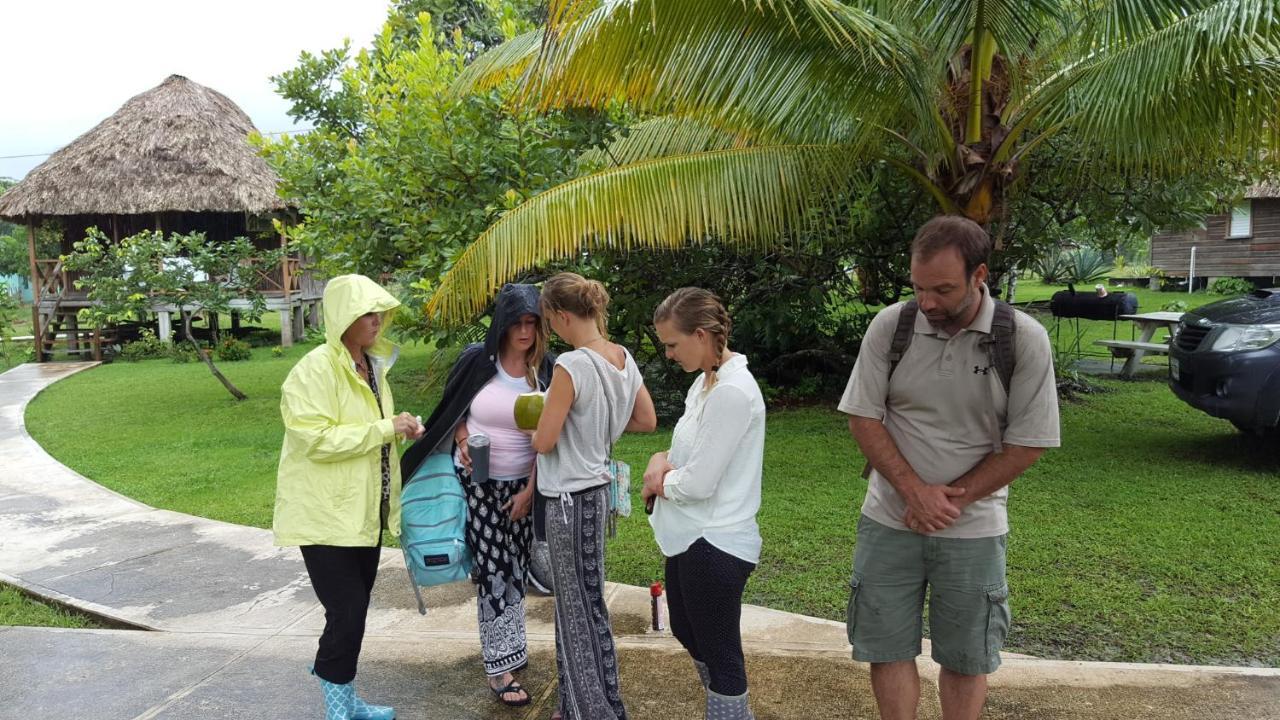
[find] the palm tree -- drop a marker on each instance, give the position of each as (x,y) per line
(761,110)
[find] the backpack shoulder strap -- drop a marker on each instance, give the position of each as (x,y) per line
(1001,347)
(1004,343)
(903,334)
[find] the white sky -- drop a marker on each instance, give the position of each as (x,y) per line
(65,65)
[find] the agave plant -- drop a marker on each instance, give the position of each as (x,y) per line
(759,110)
(1084,265)
(1050,266)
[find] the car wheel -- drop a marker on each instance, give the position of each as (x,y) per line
(1246,429)
(1259,436)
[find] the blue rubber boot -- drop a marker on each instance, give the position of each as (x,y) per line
(362,710)
(339,700)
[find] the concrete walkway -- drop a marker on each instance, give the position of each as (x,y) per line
(238,624)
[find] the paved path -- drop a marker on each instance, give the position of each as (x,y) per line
(238,623)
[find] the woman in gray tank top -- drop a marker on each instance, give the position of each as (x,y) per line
(596,393)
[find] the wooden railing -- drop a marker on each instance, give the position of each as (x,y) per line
(290,271)
(51,280)
(51,284)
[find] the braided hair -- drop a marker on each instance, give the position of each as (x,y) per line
(691,309)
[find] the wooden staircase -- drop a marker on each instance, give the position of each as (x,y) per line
(56,320)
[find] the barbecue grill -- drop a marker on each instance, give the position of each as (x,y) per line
(1070,307)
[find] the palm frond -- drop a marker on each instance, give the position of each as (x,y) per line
(755,196)
(497,65)
(1016,25)
(663,137)
(767,64)
(566,13)
(1108,22)
(1205,84)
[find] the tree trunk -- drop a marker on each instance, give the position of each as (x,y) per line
(186,327)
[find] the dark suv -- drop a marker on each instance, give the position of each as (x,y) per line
(1225,360)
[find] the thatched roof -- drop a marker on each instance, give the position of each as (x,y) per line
(176,147)
(1263,190)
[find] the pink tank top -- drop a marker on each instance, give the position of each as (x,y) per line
(492,412)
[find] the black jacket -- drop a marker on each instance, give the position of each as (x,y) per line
(473,369)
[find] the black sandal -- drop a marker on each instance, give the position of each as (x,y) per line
(513,687)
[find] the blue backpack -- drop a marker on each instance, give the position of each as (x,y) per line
(433,524)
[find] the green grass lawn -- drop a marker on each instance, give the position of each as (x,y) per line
(18,609)
(1149,536)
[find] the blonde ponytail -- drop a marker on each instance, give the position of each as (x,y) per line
(575,294)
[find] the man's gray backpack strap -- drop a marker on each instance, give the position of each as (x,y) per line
(1001,346)
(1002,343)
(903,334)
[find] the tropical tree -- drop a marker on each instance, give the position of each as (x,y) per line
(13,251)
(13,256)
(127,279)
(326,89)
(400,174)
(760,112)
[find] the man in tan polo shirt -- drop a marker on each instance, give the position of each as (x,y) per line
(945,439)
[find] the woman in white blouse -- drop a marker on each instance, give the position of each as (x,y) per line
(705,493)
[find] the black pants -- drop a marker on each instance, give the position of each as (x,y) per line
(704,595)
(343,579)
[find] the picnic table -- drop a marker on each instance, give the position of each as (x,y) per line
(1148,324)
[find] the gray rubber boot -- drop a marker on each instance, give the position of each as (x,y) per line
(703,673)
(727,707)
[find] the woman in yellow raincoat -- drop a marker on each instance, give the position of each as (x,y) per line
(338,484)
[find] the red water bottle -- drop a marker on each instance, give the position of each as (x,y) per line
(657,607)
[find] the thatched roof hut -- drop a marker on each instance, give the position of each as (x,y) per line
(176,158)
(178,147)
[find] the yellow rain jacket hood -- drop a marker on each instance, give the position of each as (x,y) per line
(329,482)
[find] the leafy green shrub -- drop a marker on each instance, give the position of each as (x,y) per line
(313,335)
(233,350)
(9,308)
(11,353)
(258,337)
(1175,306)
(146,347)
(15,353)
(807,389)
(1136,271)
(277,351)
(182,352)
(1231,286)
(796,316)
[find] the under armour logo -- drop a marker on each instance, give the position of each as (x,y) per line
(979,370)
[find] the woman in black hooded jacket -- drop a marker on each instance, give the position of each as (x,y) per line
(479,396)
